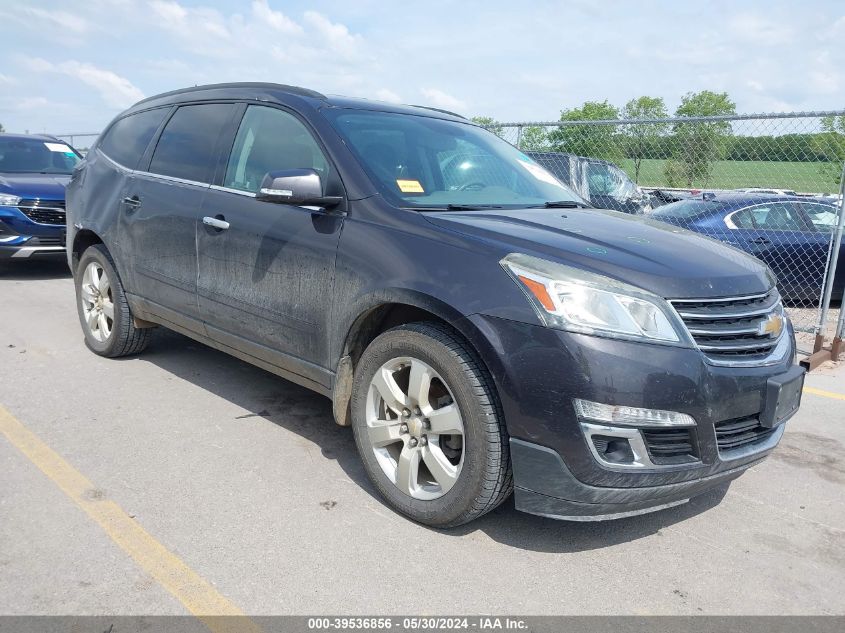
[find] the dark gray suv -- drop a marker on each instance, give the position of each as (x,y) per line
(477,325)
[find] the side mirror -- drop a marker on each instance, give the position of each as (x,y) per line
(300,187)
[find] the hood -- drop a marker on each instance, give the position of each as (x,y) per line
(45,186)
(666,260)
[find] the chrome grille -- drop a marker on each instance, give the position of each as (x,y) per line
(43,211)
(732,329)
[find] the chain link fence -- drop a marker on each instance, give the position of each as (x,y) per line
(81,141)
(770,185)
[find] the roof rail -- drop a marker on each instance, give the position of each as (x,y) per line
(440,110)
(296,90)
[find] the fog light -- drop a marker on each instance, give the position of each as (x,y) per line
(630,416)
(615,450)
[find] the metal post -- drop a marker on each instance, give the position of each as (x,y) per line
(836,347)
(831,268)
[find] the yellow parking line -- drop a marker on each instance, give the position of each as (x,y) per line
(197,595)
(826,394)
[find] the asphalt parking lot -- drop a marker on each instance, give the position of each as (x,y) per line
(242,483)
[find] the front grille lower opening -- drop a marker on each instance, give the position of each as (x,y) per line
(671,446)
(740,433)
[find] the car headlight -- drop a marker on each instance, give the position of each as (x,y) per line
(8,200)
(571,299)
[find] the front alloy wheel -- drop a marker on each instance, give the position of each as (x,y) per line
(415,428)
(428,425)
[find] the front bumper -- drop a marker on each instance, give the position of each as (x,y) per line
(539,371)
(565,497)
(21,238)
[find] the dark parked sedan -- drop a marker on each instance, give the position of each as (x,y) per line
(790,233)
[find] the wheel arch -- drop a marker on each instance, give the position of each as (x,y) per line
(84,239)
(378,314)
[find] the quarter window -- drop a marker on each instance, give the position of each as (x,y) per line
(824,217)
(271,140)
(127,140)
(186,146)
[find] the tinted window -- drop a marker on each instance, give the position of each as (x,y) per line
(779,216)
(127,139)
(186,146)
(46,156)
(271,140)
(557,164)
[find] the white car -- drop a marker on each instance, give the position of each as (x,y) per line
(778,192)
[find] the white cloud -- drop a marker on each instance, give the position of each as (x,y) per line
(201,27)
(6,79)
(383,94)
(115,90)
(276,19)
(440,99)
(760,29)
(335,35)
(32,102)
(62,19)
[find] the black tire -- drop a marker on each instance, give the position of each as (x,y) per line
(485,479)
(124,339)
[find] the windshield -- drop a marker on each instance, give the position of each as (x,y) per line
(420,161)
(32,155)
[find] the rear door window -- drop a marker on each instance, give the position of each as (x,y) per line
(126,140)
(186,148)
(778,216)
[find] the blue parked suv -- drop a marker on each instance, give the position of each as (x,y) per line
(33,173)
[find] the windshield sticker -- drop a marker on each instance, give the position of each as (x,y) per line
(538,172)
(58,147)
(409,186)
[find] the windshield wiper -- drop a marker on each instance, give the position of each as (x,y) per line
(471,207)
(458,207)
(565,204)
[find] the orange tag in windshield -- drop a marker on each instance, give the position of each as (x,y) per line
(410,186)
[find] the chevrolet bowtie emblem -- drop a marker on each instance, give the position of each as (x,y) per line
(773,325)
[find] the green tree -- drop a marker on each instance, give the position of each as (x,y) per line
(830,146)
(2,129)
(698,144)
(642,138)
(534,138)
(489,123)
(597,141)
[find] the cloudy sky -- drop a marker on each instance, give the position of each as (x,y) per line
(71,65)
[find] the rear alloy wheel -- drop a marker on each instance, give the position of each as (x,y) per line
(103,310)
(97,303)
(429,427)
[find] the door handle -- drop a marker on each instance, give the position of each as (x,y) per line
(132,202)
(760,240)
(218,222)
